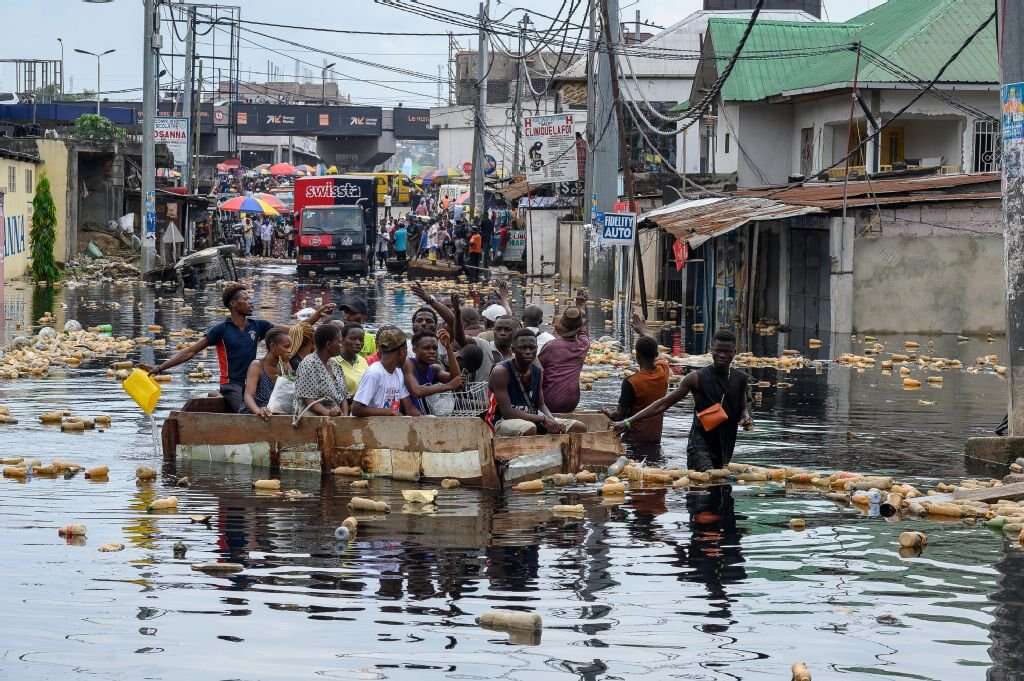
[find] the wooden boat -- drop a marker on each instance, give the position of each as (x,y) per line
(403,448)
(396,266)
(422,268)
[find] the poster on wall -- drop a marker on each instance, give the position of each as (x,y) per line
(1013,131)
(173,132)
(550,143)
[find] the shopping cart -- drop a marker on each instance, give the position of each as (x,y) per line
(469,400)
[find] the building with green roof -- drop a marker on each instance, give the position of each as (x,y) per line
(784,111)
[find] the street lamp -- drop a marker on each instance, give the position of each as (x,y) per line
(61,41)
(98,56)
(323,87)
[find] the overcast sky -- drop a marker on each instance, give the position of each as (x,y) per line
(31,29)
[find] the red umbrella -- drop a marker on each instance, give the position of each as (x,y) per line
(282,169)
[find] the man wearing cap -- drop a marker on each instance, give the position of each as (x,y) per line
(382,390)
(355,310)
(517,407)
(235,339)
(563,359)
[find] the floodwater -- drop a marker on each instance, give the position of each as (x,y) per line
(669,585)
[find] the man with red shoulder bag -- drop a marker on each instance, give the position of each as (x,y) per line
(719,405)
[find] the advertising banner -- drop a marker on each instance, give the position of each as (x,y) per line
(413,124)
(550,143)
(292,119)
(172,131)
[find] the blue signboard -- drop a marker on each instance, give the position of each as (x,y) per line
(618,229)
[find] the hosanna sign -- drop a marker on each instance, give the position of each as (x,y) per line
(550,143)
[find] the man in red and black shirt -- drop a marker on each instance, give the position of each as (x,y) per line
(235,339)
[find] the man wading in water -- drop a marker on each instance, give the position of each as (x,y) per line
(713,434)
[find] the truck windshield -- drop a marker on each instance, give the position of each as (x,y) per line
(335,220)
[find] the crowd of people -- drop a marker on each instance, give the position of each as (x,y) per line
(529,376)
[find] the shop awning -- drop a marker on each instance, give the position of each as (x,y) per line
(697,220)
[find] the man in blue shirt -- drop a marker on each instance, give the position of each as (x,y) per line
(401,241)
(235,339)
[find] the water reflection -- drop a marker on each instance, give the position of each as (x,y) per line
(669,584)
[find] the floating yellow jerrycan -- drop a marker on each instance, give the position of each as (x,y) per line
(143,389)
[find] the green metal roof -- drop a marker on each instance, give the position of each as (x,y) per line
(917,35)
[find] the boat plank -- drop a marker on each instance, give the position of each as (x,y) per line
(1012,491)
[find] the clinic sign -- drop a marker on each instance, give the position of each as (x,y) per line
(618,229)
(550,143)
(172,131)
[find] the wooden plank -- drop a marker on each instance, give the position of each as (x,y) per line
(237,429)
(490,476)
(593,420)
(599,448)
(507,448)
(1014,490)
(325,440)
(422,434)
(213,405)
(169,439)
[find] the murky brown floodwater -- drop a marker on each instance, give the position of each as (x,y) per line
(656,588)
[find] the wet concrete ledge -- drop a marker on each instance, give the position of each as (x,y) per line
(997,450)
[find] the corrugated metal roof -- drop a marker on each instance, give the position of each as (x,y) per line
(867,201)
(702,219)
(811,194)
(918,35)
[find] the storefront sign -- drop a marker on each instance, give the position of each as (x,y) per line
(413,124)
(173,132)
(292,119)
(618,229)
(550,143)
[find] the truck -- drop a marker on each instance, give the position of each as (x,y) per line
(336,224)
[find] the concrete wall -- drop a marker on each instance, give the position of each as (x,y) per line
(935,268)
(767,138)
(17,214)
(57,166)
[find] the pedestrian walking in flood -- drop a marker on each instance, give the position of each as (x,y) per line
(720,405)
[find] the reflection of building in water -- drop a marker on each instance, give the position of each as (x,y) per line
(1007,631)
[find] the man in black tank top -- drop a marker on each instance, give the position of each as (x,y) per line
(716,384)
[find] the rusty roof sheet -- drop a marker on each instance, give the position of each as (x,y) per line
(822,194)
(862,201)
(699,220)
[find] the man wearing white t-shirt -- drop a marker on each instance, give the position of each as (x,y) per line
(382,390)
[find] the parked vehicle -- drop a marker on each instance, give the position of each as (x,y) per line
(335,220)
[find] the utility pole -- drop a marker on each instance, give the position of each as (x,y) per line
(624,156)
(517,101)
(194,130)
(188,87)
(1011,41)
(476,192)
(603,176)
(150,48)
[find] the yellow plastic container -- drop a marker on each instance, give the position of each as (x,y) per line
(143,389)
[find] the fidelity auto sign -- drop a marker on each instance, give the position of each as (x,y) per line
(173,132)
(619,229)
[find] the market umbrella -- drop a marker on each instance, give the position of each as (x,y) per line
(282,169)
(272,201)
(462,199)
(248,204)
